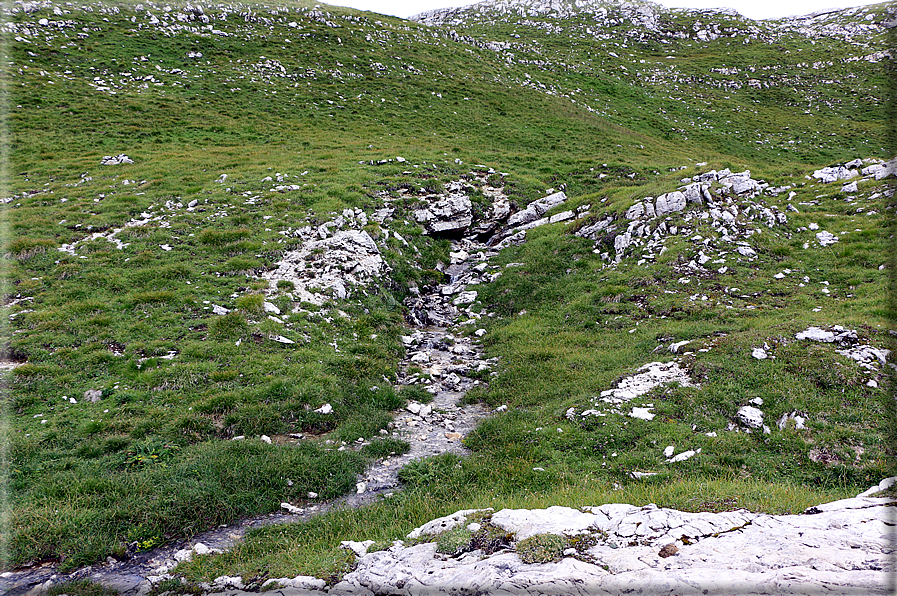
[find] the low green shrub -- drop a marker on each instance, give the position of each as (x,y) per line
(455,541)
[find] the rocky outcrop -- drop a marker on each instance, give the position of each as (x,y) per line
(330,263)
(536,209)
(449,216)
(722,197)
(841,547)
(852,169)
(640,14)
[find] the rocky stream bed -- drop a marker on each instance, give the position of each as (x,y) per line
(843,547)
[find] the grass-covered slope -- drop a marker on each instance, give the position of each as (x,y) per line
(320,102)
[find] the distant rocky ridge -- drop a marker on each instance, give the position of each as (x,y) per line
(648,16)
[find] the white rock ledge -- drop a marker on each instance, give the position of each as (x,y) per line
(844,547)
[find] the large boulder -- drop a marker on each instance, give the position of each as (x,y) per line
(669,203)
(448,216)
(833,174)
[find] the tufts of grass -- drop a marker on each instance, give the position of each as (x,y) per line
(541,548)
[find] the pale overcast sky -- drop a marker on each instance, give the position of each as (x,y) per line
(755,9)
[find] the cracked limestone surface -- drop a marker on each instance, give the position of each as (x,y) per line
(842,547)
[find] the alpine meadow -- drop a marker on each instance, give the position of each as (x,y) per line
(524,297)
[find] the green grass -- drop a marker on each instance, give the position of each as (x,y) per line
(154,459)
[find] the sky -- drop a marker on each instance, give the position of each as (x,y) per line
(754,9)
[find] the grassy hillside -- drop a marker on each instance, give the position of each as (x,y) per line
(247,122)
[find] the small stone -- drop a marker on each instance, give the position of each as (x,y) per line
(683,456)
(668,550)
(751,416)
(93,395)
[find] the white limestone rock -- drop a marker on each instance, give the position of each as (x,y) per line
(833,174)
(291,508)
(359,548)
(524,523)
(751,416)
(826,238)
(119,159)
(450,214)
(331,265)
(837,334)
(843,547)
(797,418)
(635,212)
(683,456)
(441,524)
(881,170)
(465,298)
(536,209)
(307,584)
(647,378)
(669,203)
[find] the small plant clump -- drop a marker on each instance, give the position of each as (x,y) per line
(455,541)
(542,548)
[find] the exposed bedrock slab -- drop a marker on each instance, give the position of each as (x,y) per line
(844,547)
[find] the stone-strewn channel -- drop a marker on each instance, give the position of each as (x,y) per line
(443,359)
(841,547)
